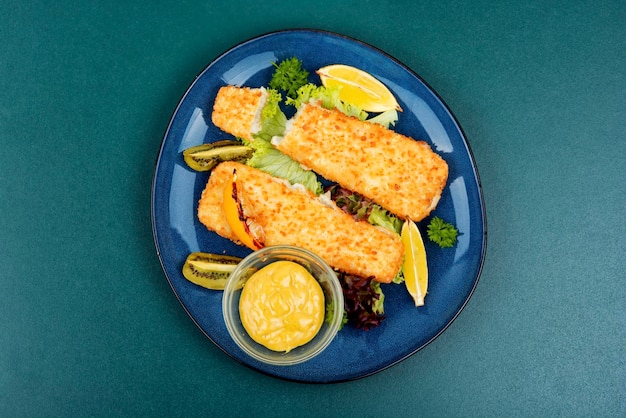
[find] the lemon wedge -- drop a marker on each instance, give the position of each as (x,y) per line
(232,212)
(358,88)
(415,268)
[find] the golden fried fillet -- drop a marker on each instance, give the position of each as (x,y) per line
(402,175)
(289,215)
(237,110)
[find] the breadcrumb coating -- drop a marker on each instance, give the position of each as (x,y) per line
(289,215)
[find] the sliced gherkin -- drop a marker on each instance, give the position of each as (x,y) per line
(206,156)
(209,270)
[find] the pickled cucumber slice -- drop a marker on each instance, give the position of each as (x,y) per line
(208,270)
(206,156)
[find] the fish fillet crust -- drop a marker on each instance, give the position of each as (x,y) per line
(289,215)
(237,110)
(399,173)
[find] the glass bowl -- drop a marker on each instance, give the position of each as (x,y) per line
(318,268)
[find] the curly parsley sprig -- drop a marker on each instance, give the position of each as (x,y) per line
(289,76)
(442,232)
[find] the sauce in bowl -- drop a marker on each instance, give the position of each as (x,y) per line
(282,306)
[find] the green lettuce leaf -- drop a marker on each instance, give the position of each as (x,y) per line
(273,119)
(381,217)
(379,303)
(329,98)
(386,119)
(268,159)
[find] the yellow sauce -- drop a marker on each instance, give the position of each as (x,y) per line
(282,306)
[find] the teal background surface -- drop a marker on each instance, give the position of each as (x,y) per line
(88,323)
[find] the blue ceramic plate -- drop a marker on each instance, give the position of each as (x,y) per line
(176,189)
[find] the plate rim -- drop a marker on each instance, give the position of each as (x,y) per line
(481,200)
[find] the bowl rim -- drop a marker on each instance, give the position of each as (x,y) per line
(334,288)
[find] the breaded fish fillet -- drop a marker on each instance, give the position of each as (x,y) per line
(237,110)
(402,175)
(289,215)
